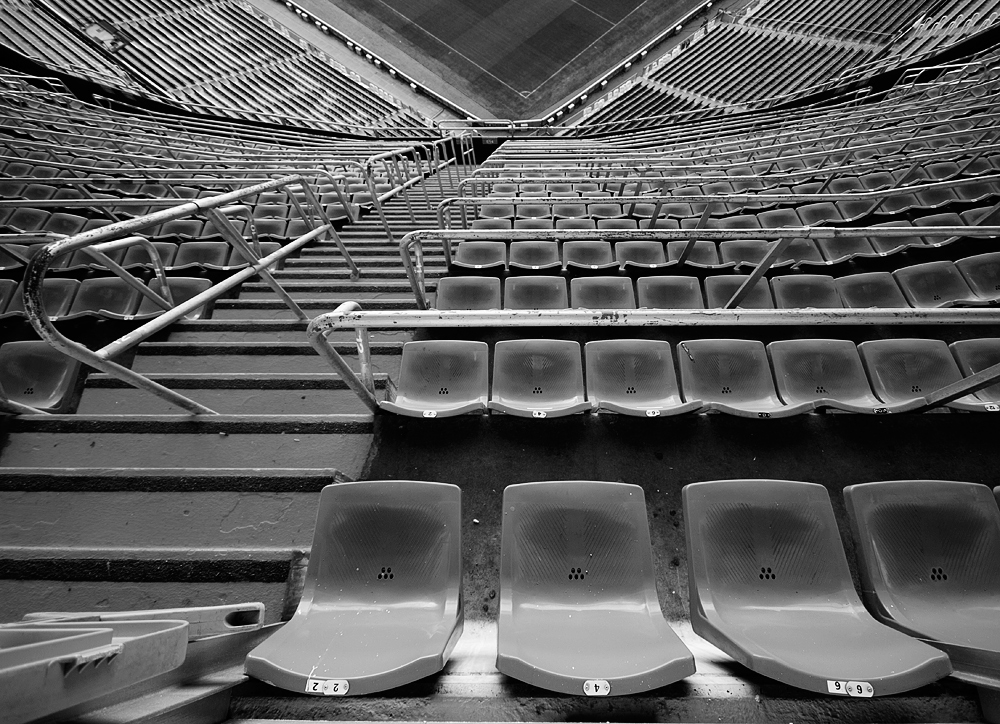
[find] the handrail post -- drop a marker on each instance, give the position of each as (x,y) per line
(316,335)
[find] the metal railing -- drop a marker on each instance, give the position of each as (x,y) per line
(124,233)
(350,316)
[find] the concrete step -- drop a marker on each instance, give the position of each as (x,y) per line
(316,400)
(215,359)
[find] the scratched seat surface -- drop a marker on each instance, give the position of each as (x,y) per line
(382,602)
(579,612)
(770,586)
(928,556)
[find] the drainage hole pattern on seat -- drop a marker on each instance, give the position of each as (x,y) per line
(938,574)
(576,574)
(820,390)
(915,388)
(385,575)
(767,575)
(536,390)
(443,391)
(630,390)
(29,390)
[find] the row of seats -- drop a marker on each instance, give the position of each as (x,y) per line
(974,281)
(545,377)
(579,612)
(101,297)
(186,257)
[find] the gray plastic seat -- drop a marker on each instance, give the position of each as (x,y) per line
(669,293)
(634,377)
(57,297)
(575,224)
(7,289)
(770,586)
(382,601)
(588,257)
(467,293)
(805,291)
(138,256)
(181,289)
(496,211)
(974,356)
(827,373)
(538,378)
(441,378)
(108,297)
(535,292)
(935,284)
(620,224)
(578,603)
(638,257)
(480,257)
(875,289)
(720,289)
(534,256)
(732,376)
(602,293)
(202,254)
(704,252)
(892,244)
(840,248)
(743,251)
(982,273)
(901,370)
(534,211)
(928,555)
(486,224)
(35,373)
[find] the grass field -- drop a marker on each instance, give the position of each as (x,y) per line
(518,57)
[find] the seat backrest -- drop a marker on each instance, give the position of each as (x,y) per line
(749,251)
(816,369)
(57,297)
(801,291)
(602,293)
(933,284)
(925,540)
(771,543)
(731,371)
(704,252)
(720,289)
(640,252)
(976,355)
(535,292)
(446,370)
(669,293)
(109,294)
(181,289)
(204,253)
(546,369)
(36,374)
(902,369)
(874,289)
(481,253)
(982,273)
(384,543)
(638,370)
(534,253)
(587,253)
(573,543)
(468,293)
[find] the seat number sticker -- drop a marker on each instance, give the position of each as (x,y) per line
(538,413)
(992,408)
(430,413)
(327,687)
(652,413)
(851,688)
(596,687)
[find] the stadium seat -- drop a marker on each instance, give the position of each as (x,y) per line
(533,211)
(620,224)
(743,251)
(874,289)
(770,586)
(487,224)
(36,374)
(185,228)
(529,257)
(827,373)
(533,223)
(384,582)
(904,369)
(107,297)
(935,284)
(974,356)
(575,224)
(893,244)
(538,378)
(805,291)
(535,292)
(669,293)
(588,257)
(467,293)
(634,377)
(138,256)
(927,553)
(640,257)
(720,289)
(201,254)
(479,257)
(57,297)
(601,293)
(181,290)
(732,376)
(496,211)
(704,253)
(841,248)
(441,378)
(7,289)
(578,603)
(982,273)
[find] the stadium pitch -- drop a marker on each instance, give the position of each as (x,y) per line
(518,57)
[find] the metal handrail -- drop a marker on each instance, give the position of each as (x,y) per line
(217,208)
(412,243)
(350,316)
